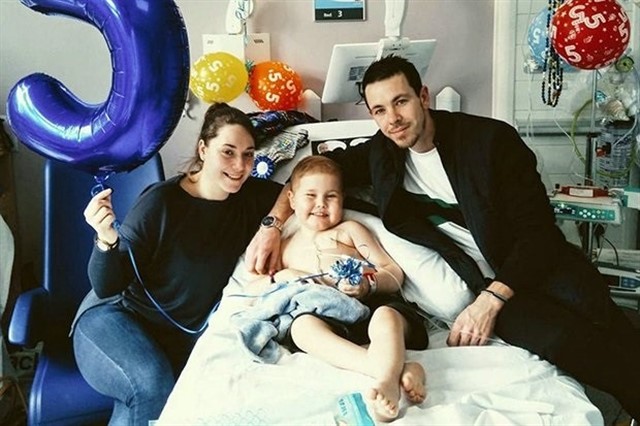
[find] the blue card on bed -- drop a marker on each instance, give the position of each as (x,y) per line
(352,411)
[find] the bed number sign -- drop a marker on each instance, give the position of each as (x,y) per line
(339,10)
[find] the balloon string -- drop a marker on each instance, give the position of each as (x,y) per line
(160,309)
(243,9)
(101,186)
(100,183)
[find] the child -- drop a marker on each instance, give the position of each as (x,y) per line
(316,196)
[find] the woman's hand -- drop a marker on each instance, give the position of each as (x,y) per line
(263,253)
(100,216)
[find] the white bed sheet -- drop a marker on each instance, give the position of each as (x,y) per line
(491,385)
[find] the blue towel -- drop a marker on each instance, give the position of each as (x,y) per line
(261,327)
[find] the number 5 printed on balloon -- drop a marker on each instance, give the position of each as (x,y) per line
(590,34)
(149,51)
(275,85)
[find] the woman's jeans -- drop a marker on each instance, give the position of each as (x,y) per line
(130,360)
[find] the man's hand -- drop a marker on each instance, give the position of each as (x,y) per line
(474,326)
(263,253)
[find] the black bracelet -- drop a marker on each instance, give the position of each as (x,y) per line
(496,295)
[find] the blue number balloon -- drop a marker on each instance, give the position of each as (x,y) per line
(537,36)
(150,61)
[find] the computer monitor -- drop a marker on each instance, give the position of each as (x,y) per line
(350,61)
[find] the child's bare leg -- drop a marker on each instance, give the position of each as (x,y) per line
(315,337)
(386,357)
(383,360)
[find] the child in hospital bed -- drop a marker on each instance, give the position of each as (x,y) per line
(316,196)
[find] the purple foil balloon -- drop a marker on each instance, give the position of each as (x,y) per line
(150,60)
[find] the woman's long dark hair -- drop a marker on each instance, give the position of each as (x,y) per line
(217,116)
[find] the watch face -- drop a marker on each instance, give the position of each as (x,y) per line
(268,221)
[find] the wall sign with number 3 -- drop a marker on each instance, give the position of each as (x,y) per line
(149,49)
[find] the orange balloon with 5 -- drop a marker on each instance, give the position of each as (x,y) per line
(275,86)
(218,77)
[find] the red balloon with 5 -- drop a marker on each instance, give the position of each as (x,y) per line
(590,34)
(150,61)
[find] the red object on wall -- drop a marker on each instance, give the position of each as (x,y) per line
(590,34)
(275,86)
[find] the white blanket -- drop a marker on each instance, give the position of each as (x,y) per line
(491,385)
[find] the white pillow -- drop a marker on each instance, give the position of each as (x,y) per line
(429,280)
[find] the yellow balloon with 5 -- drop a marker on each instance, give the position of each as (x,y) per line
(218,77)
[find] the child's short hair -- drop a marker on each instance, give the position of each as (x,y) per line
(315,164)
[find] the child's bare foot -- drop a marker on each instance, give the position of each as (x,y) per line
(384,400)
(412,381)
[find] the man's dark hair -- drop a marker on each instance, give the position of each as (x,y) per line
(388,67)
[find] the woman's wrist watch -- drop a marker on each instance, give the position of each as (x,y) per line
(271,222)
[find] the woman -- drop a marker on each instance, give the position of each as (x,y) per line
(134,332)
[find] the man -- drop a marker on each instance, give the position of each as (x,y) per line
(467,187)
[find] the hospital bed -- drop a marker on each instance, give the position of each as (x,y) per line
(493,384)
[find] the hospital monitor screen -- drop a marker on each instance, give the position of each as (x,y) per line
(350,61)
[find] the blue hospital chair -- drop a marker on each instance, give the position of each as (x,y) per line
(59,395)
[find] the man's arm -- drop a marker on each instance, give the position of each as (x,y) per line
(532,229)
(263,253)
(535,242)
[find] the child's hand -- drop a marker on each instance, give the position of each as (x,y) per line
(359,291)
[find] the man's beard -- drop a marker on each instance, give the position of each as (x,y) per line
(411,140)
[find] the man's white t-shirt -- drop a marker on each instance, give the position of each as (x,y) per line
(425,175)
